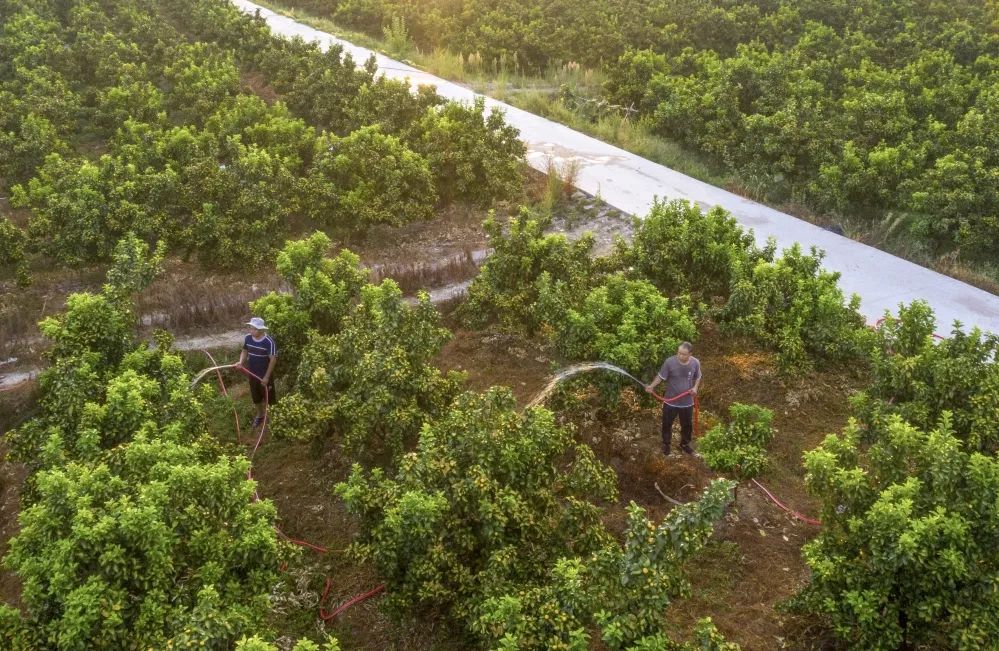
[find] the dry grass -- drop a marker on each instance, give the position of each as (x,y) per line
(414,276)
(184,299)
(559,183)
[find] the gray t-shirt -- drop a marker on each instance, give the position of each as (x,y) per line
(679,378)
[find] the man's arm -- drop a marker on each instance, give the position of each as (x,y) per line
(242,357)
(659,378)
(270,367)
(697,384)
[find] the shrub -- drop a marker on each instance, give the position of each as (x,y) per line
(740,446)
(683,250)
(907,552)
(494,518)
(13,241)
(135,530)
(473,157)
(919,378)
(794,307)
(160,545)
(373,382)
(367,178)
(488,500)
(323,291)
(525,260)
(624,322)
(256,644)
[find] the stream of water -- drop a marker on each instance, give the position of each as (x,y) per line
(576,369)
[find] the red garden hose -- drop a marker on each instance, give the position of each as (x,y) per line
(787,509)
(325,616)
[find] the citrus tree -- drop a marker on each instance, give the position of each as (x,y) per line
(793,306)
(488,500)
(684,250)
(907,554)
(919,377)
(494,519)
(135,528)
(524,260)
(625,322)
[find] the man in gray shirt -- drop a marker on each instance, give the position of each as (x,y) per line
(682,375)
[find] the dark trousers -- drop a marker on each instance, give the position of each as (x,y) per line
(686,415)
(258,394)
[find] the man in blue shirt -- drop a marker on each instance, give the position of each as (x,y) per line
(682,375)
(258,356)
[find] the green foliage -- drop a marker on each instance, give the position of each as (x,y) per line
(622,590)
(92,323)
(199,78)
(132,267)
(70,218)
(740,446)
(256,644)
(639,579)
(359,356)
(794,307)
(157,545)
(919,378)
(488,500)
(323,291)
(624,322)
(134,529)
(472,157)
(907,554)
(182,152)
(245,207)
(524,263)
(494,519)
(397,42)
(28,145)
(374,381)
(683,250)
(862,108)
(368,178)
(12,244)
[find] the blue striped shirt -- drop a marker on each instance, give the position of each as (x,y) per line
(259,353)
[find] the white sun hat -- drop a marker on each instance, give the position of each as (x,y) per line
(257,322)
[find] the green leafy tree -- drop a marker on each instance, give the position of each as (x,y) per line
(199,78)
(27,147)
(374,381)
(525,260)
(246,204)
(794,307)
(624,322)
(683,250)
(488,500)
(472,156)
(133,267)
(740,446)
(323,292)
(367,178)
(919,378)
(640,578)
(91,323)
(12,249)
(69,219)
(135,99)
(907,552)
(158,546)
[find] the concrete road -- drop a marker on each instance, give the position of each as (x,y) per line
(631,183)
